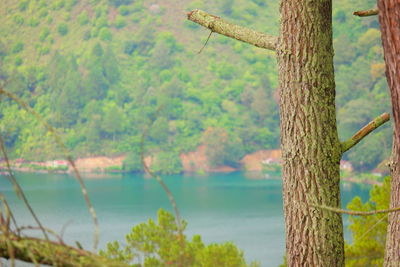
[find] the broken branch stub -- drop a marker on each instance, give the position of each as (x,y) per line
(221,26)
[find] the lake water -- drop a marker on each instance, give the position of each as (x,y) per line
(219,207)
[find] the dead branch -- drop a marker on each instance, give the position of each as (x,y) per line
(355,139)
(366,13)
(221,26)
(51,253)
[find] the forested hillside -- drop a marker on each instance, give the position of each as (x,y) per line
(101,70)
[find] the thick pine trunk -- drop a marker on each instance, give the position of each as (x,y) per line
(310,143)
(389,19)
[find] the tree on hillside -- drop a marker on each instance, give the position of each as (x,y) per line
(389,19)
(309,140)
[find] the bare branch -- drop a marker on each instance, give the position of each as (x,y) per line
(355,139)
(357,213)
(157,177)
(18,189)
(58,140)
(221,26)
(366,13)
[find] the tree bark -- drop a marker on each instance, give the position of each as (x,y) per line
(392,250)
(310,145)
(389,19)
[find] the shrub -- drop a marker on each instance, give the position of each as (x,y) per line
(160,244)
(43,13)
(368,232)
(123,10)
(83,18)
(132,163)
(18,19)
(17,47)
(58,4)
(62,28)
(70,4)
(18,61)
(44,50)
(23,5)
(105,34)
(33,22)
(120,22)
(167,162)
(44,33)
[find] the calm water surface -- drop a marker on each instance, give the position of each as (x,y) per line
(219,207)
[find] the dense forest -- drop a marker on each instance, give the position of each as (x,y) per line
(101,70)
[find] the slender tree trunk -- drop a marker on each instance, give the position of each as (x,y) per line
(389,19)
(392,251)
(310,144)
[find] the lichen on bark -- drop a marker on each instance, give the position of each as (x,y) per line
(310,144)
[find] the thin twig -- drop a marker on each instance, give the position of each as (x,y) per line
(18,188)
(5,203)
(65,151)
(208,38)
(64,227)
(157,177)
(356,138)
(371,228)
(356,213)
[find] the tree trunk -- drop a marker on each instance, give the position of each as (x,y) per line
(310,145)
(389,19)
(392,251)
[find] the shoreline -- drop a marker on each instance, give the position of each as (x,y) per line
(356,179)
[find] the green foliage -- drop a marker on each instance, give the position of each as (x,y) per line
(132,162)
(115,168)
(167,162)
(58,4)
(368,232)
(62,28)
(222,148)
(102,96)
(44,33)
(18,19)
(118,3)
(17,47)
(3,51)
(18,61)
(370,152)
(105,34)
(160,244)
(83,18)
(34,22)
(124,10)
(120,22)
(23,5)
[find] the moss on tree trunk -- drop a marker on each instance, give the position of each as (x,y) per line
(310,144)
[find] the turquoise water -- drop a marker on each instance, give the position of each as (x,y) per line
(219,207)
